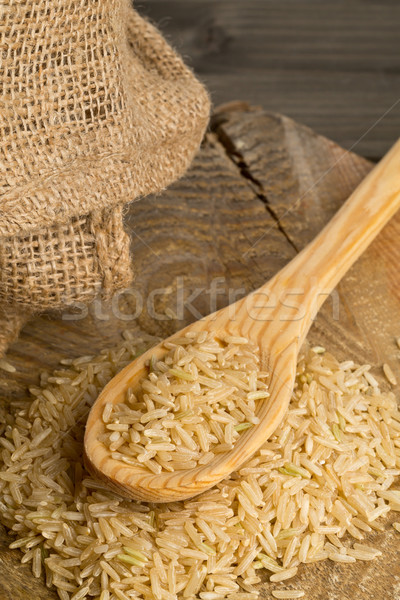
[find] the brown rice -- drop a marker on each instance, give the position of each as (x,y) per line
(312,492)
(193,403)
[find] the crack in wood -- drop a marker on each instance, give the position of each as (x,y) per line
(235,156)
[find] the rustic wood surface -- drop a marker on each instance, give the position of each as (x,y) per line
(258,191)
(334,66)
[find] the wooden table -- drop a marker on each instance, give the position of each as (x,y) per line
(260,188)
(334,66)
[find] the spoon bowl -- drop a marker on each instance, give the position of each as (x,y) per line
(276,318)
(140,484)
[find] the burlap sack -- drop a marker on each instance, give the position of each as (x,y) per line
(96,110)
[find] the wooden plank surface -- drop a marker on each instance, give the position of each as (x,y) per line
(334,66)
(258,191)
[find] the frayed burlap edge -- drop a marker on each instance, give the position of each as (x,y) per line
(12,321)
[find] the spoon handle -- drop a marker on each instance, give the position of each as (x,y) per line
(313,273)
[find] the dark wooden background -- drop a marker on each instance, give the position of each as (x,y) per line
(333,65)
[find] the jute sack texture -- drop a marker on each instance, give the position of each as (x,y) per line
(96,110)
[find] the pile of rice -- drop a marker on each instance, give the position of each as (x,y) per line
(310,493)
(192,404)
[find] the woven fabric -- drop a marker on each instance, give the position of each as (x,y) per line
(96,110)
(66,263)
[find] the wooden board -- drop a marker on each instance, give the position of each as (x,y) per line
(260,188)
(334,66)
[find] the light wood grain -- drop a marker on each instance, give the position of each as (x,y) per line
(203,227)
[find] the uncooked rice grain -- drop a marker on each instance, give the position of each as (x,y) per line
(297,500)
(6,366)
(285,574)
(389,374)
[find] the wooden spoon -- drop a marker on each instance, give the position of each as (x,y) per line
(277,318)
